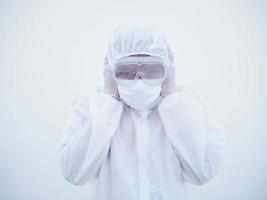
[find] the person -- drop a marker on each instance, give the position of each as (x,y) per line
(143,137)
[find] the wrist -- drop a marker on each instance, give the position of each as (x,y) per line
(111,93)
(169,91)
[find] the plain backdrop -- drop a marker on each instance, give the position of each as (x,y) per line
(51,51)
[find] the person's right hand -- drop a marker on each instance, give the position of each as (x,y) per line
(110,86)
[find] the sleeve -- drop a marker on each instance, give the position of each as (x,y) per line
(196,136)
(85,141)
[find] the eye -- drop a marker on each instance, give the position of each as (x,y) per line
(124,75)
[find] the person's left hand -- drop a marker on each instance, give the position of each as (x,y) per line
(169,85)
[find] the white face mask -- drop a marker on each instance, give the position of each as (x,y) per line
(139,94)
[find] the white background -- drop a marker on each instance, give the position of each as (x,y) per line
(51,51)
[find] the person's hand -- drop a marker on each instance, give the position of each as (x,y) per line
(110,86)
(169,86)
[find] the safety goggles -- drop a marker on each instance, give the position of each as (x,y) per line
(135,67)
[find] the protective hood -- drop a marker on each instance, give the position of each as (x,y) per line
(129,40)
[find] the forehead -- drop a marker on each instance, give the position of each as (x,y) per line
(140,58)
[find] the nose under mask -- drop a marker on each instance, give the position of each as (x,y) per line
(138,94)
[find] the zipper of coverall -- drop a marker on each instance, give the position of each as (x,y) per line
(141,134)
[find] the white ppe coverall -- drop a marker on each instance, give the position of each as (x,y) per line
(140,155)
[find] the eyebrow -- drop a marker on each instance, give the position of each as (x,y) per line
(137,55)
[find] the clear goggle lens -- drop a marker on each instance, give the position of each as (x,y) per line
(131,71)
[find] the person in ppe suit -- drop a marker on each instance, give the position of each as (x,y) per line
(142,137)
